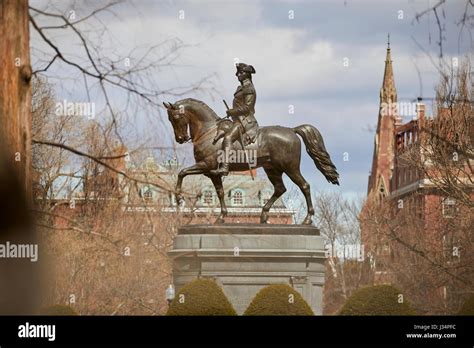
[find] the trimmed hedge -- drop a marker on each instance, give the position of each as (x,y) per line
(279,299)
(376,300)
(468,306)
(58,310)
(201,297)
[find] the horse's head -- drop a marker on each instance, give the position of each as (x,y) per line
(179,121)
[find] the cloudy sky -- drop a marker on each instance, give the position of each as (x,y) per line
(298,49)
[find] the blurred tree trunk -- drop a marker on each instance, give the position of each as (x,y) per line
(20,277)
(15,92)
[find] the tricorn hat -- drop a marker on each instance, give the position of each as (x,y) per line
(245,67)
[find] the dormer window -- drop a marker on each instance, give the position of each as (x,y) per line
(237,197)
(147,194)
(207,197)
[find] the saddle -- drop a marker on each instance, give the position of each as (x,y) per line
(250,136)
(251,142)
(250,125)
(253,148)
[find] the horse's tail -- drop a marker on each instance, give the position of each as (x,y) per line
(316,150)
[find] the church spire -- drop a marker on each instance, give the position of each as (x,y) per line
(388,92)
(380,179)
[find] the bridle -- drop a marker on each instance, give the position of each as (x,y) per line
(205,135)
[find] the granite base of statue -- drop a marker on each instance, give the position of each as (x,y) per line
(243,258)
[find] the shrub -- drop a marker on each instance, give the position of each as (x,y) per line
(58,310)
(468,306)
(279,299)
(376,300)
(201,297)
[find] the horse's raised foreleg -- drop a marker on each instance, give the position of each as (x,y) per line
(298,179)
(276,179)
(198,168)
(217,181)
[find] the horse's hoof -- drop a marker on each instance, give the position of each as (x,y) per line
(307,221)
(219,221)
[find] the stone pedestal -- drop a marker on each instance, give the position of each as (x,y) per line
(243,258)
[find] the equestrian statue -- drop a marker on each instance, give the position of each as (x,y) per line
(277,149)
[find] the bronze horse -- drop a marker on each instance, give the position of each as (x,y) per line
(278,151)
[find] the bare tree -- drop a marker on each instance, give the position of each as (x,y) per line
(347,267)
(124,83)
(423,242)
(103,258)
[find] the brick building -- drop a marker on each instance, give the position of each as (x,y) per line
(402,181)
(244,196)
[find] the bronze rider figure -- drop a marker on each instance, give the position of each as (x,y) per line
(242,114)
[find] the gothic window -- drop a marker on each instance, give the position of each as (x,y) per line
(382,192)
(146,193)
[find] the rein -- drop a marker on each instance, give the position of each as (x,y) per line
(204,135)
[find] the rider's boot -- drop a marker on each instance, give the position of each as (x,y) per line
(222,170)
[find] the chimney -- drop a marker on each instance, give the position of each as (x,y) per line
(420,109)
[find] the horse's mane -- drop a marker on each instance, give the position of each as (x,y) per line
(198,106)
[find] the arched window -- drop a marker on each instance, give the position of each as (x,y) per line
(237,197)
(207,197)
(147,194)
